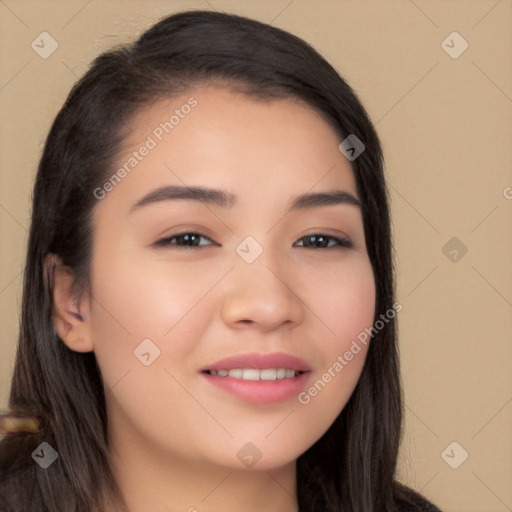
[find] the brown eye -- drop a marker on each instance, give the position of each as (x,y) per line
(185,240)
(321,241)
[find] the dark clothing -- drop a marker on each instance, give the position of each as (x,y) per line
(409,500)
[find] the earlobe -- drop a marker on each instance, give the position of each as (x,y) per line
(70,312)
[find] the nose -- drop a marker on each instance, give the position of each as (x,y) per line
(262,294)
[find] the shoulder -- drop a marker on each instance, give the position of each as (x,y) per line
(409,500)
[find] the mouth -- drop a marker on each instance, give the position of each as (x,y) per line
(267,374)
(259,378)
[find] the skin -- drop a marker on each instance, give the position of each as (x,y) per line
(174,437)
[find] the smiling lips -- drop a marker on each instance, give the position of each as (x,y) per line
(259,378)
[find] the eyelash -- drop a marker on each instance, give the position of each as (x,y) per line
(343,243)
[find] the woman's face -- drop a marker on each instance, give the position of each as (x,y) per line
(248,281)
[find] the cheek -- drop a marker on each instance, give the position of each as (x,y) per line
(350,311)
(346,308)
(149,296)
(344,303)
(135,302)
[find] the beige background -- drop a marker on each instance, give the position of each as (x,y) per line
(446,127)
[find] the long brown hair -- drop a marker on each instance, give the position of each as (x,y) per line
(352,467)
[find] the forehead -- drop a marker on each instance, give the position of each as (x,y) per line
(217,137)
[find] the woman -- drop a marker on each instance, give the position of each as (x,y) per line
(208,317)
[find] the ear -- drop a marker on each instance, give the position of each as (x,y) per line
(70,312)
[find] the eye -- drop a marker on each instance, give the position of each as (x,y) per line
(320,241)
(190,239)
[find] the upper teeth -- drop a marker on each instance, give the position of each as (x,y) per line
(255,374)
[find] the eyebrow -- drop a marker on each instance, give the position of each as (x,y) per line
(224,199)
